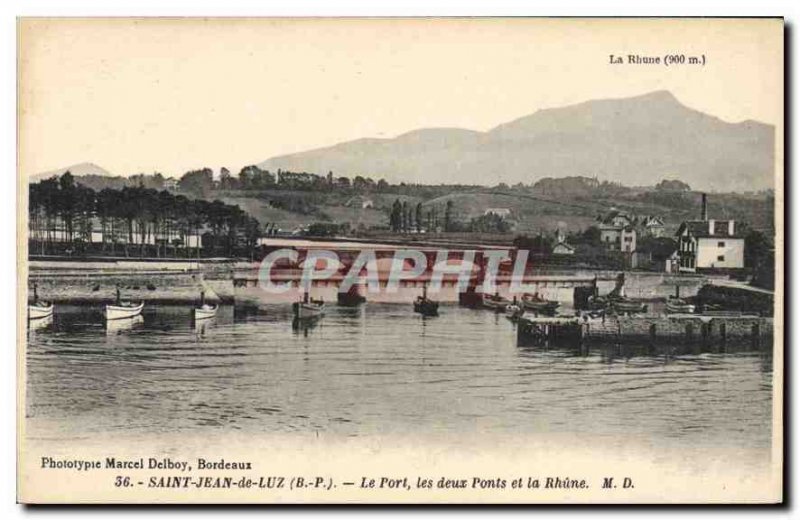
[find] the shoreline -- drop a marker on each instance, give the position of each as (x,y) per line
(230,280)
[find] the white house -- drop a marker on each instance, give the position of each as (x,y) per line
(617,232)
(359,202)
(500,212)
(710,244)
(653,226)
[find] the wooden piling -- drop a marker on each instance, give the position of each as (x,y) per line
(755,335)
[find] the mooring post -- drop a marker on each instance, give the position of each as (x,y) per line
(756,333)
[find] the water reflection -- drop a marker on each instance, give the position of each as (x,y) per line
(305,325)
(202,326)
(119,326)
(39,324)
(380,368)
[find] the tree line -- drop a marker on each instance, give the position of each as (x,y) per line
(404,218)
(253,178)
(134,221)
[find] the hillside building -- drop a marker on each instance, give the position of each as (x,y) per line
(652,226)
(617,232)
(709,244)
(562,247)
(503,213)
(359,201)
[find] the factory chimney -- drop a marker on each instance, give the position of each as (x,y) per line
(704,210)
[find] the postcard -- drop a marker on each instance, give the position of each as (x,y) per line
(400,260)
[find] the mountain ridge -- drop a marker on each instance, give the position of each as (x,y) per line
(635,140)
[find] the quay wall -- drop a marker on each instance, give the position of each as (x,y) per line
(173,282)
(663,329)
(180,281)
(552,285)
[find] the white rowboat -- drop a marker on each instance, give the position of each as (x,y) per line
(308,310)
(123,310)
(40,310)
(205,311)
(495,302)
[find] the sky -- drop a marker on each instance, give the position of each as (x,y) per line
(171,95)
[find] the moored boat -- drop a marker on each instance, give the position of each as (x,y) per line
(425,306)
(205,310)
(39,309)
(123,310)
(679,306)
(626,306)
(350,298)
(308,308)
(536,303)
(495,302)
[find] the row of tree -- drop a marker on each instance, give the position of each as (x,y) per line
(252,178)
(405,219)
(64,216)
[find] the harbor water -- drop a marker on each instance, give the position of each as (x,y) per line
(379,369)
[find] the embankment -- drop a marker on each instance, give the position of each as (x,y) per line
(155,281)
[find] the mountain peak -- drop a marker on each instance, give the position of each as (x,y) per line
(84,168)
(660,95)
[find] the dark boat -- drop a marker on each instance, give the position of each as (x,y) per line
(536,303)
(425,306)
(350,298)
(627,306)
(679,306)
(616,300)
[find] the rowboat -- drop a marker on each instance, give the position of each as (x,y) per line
(679,306)
(625,306)
(122,310)
(495,302)
(38,310)
(308,308)
(425,306)
(205,311)
(350,299)
(536,303)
